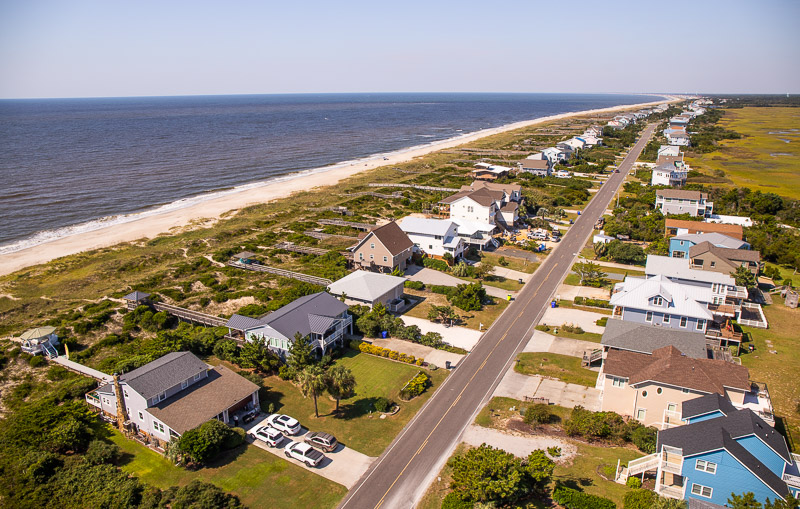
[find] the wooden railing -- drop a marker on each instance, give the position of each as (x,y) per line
(282,272)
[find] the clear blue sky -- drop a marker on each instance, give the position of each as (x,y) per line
(76,48)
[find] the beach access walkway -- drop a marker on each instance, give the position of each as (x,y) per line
(257,267)
(80,368)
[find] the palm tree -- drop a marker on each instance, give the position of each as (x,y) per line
(341,383)
(312,382)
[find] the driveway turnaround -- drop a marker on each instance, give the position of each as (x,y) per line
(430,355)
(518,386)
(520,446)
(456,336)
(400,476)
(343,466)
(556,317)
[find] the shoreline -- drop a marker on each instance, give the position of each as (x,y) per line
(283,186)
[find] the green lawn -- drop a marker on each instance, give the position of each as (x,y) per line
(498,411)
(512,262)
(470,319)
(778,371)
(563,367)
(512,285)
(571,305)
(583,471)
(358,426)
(584,336)
(761,159)
(257,477)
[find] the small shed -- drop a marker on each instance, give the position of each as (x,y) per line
(602,238)
(39,340)
(246,257)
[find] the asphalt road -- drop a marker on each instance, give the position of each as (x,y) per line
(399,477)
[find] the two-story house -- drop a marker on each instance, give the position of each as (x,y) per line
(538,167)
(679,201)
(720,450)
(320,317)
(651,387)
(669,151)
(383,249)
(707,256)
(672,173)
(173,394)
(680,245)
(434,237)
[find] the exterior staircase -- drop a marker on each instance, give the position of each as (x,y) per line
(637,466)
(49,350)
(590,356)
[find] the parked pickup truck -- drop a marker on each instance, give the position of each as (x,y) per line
(305,453)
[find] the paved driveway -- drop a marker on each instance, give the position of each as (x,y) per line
(585,319)
(431,355)
(516,385)
(456,336)
(343,466)
(520,446)
(436,277)
(543,342)
(511,274)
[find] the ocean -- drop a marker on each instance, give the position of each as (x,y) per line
(73,165)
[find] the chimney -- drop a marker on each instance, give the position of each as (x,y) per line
(122,414)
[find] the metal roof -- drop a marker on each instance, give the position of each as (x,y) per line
(296,316)
(38,332)
(678,268)
(365,285)
(717,239)
(682,300)
(426,226)
(242,323)
(136,296)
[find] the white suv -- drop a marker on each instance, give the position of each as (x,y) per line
(284,423)
(268,434)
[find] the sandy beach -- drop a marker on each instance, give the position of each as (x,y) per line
(152,226)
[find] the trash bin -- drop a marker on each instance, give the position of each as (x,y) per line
(508,297)
(553,304)
(384,334)
(447,364)
(520,281)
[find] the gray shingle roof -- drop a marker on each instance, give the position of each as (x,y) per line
(296,316)
(644,338)
(136,296)
(705,405)
(168,371)
(722,432)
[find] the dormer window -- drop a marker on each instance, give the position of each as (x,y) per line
(658,301)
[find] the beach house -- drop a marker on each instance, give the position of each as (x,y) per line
(539,167)
(671,173)
(40,340)
(173,394)
(434,237)
(718,451)
(481,209)
(677,137)
(383,249)
(707,256)
(680,245)
(651,387)
(320,317)
(366,288)
(679,201)
(669,150)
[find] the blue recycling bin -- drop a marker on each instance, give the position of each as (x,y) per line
(553,304)
(384,334)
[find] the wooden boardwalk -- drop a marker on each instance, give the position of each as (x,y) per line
(415,186)
(291,246)
(81,369)
(281,272)
(324,236)
(190,316)
(351,224)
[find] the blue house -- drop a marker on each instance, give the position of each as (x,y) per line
(718,451)
(679,246)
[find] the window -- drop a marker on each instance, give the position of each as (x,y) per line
(360,256)
(666,319)
(640,413)
(701,324)
(184,384)
(683,322)
(158,426)
(385,259)
(648,317)
(713,264)
(617,382)
(162,396)
(644,394)
(703,491)
(685,390)
(372,246)
(658,301)
(659,390)
(706,466)
(372,257)
(197,376)
(141,416)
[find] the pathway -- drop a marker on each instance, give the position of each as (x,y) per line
(543,342)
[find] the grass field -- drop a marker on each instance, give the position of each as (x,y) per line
(357,426)
(470,319)
(512,262)
(564,367)
(766,158)
(779,370)
(257,477)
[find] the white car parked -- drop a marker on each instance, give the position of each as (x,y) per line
(268,434)
(284,424)
(304,452)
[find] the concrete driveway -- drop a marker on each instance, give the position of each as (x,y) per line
(520,446)
(456,336)
(431,355)
(514,275)
(569,292)
(343,466)
(543,342)
(585,319)
(516,385)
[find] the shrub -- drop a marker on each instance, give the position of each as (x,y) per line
(37,361)
(574,499)
(57,373)
(205,442)
(441,289)
(644,437)
(633,482)
(415,285)
(435,264)
(537,414)
(100,452)
(385,352)
(382,405)
(468,297)
(453,501)
(555,451)
(639,498)
(415,386)
(602,322)
(287,372)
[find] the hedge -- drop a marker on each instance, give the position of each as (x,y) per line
(597,303)
(574,499)
(415,285)
(389,354)
(433,263)
(415,386)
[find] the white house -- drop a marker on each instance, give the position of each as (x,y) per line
(678,201)
(740,220)
(434,237)
(671,174)
(573,144)
(555,154)
(590,140)
(563,174)
(669,150)
(601,237)
(369,288)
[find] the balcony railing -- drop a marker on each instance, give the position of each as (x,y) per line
(93,399)
(671,491)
